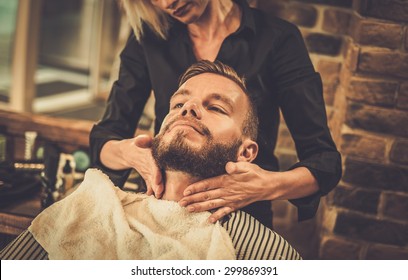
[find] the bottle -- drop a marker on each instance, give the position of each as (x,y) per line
(29,137)
(47,192)
(49,176)
(3,147)
(67,176)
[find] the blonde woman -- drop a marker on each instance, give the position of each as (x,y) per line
(170,35)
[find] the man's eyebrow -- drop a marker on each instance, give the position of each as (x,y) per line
(180,92)
(216,96)
(224,99)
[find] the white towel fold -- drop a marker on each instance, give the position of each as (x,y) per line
(100,221)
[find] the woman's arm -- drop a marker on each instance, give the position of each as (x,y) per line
(300,97)
(113,146)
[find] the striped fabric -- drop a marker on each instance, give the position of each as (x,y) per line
(24,247)
(251,240)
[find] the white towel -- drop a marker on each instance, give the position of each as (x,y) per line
(100,221)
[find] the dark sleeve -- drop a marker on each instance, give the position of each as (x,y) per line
(125,106)
(300,97)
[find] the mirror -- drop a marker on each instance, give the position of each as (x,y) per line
(78,43)
(8,15)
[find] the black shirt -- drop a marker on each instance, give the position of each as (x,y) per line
(271,55)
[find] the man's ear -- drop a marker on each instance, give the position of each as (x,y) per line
(248,151)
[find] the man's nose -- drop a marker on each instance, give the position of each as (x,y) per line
(191,108)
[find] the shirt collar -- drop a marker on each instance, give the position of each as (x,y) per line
(179,29)
(247,20)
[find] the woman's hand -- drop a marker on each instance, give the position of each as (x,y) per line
(137,154)
(134,153)
(243,184)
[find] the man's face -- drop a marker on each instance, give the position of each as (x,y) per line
(203,127)
(186,11)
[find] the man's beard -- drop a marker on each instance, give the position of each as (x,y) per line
(205,162)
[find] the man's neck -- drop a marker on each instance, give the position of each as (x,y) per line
(221,18)
(176,183)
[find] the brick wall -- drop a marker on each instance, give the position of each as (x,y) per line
(367,214)
(360,48)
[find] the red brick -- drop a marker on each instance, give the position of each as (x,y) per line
(365,228)
(373,92)
(329,72)
(329,91)
(399,152)
(355,199)
(336,21)
(339,114)
(285,140)
(376,119)
(323,44)
(372,33)
(384,252)
(351,55)
(395,206)
(402,99)
(363,146)
(383,63)
(375,176)
(300,15)
(335,248)
(395,10)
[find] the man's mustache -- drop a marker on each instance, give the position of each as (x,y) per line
(203,129)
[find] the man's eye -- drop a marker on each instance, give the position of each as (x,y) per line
(178,106)
(216,109)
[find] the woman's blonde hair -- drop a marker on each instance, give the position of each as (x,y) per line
(139,11)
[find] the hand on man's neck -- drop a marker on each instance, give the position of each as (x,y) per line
(176,183)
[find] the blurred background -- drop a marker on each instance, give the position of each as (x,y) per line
(61,53)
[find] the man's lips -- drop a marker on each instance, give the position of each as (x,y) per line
(185,123)
(179,12)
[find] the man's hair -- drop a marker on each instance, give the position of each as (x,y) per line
(250,125)
(139,11)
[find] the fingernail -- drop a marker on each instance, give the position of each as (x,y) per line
(211,220)
(190,209)
(187,192)
(183,203)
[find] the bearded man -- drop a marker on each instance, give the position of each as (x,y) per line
(211,129)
